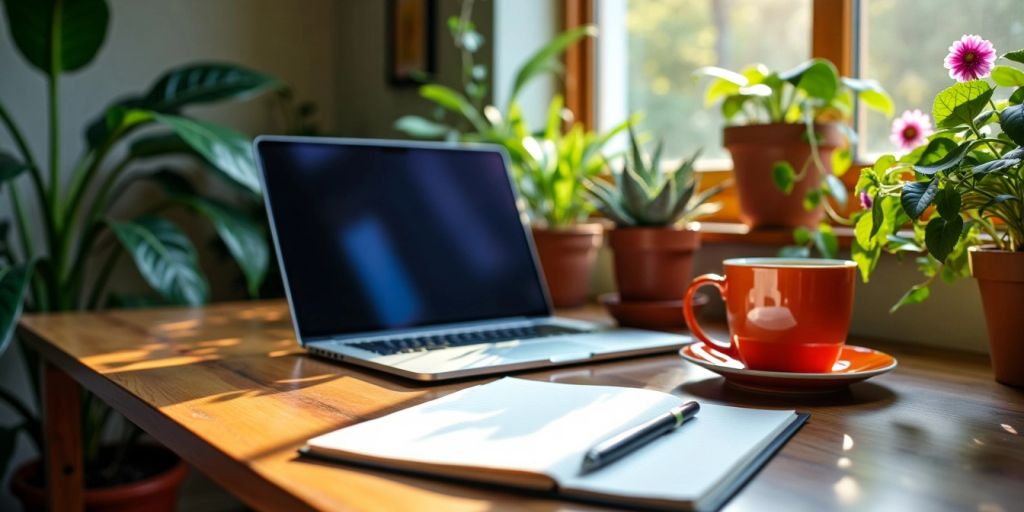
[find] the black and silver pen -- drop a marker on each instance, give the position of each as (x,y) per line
(623,443)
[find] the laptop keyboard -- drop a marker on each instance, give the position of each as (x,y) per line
(423,343)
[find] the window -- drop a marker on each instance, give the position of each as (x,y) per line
(649,49)
(905,42)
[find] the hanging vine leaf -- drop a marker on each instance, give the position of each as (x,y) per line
(165,257)
(82,28)
(917,196)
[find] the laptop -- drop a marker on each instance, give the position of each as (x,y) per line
(415,258)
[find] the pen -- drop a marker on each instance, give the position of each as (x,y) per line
(623,443)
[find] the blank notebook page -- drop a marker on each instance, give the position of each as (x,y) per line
(546,428)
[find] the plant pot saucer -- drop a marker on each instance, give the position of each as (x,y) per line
(658,315)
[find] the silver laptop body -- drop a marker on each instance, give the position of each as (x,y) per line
(414,258)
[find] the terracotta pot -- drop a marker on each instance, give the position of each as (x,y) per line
(1000,276)
(567,257)
(653,264)
(158,493)
(755,149)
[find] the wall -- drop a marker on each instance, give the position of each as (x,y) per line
(367,104)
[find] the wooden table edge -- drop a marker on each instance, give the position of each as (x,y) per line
(210,461)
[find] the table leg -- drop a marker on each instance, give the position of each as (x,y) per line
(62,420)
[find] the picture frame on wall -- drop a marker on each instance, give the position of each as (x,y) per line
(411,34)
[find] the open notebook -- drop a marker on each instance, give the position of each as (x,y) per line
(534,435)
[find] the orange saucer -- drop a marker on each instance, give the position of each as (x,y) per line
(855,364)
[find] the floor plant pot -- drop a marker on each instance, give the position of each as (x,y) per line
(1000,276)
(157,491)
(755,149)
(567,257)
(653,263)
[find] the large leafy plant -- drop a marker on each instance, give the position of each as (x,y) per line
(549,165)
(642,194)
(963,188)
(810,93)
(47,270)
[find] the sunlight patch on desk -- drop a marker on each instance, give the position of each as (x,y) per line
(847,442)
(847,490)
(1009,428)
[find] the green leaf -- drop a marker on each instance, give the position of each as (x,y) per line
(452,100)
(996,165)
(816,77)
(837,189)
(10,168)
(244,238)
(862,230)
(161,144)
(877,215)
(1001,198)
(947,202)
(812,199)
(13,287)
(960,103)
(1017,56)
(795,251)
(719,89)
(941,236)
(871,93)
(1007,76)
(226,150)
(82,26)
(915,295)
(541,61)
(841,161)
(165,258)
(917,196)
(421,128)
(205,82)
(1017,97)
(1011,120)
(8,442)
(866,259)
(826,241)
(783,176)
(948,161)
(802,235)
(733,105)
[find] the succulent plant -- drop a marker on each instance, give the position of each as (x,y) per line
(644,195)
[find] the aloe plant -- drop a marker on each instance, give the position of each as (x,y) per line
(80,231)
(644,195)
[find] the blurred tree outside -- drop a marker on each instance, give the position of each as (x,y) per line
(670,39)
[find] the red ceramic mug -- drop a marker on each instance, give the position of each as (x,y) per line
(786,315)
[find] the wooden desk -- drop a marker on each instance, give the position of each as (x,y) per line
(228,390)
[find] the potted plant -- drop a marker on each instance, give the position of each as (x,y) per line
(549,165)
(786,138)
(653,241)
(961,192)
(68,263)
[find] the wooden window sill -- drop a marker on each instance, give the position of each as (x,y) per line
(736,233)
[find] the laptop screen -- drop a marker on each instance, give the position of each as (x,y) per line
(382,237)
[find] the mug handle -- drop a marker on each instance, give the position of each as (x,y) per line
(691,320)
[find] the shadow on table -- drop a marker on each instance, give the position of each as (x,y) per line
(861,394)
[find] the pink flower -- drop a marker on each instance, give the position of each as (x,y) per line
(865,200)
(970,58)
(911,129)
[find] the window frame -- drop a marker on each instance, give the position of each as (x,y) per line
(834,25)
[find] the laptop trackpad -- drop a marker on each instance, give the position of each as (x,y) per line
(555,351)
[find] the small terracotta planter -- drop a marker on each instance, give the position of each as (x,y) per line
(158,493)
(567,257)
(755,149)
(1000,276)
(653,264)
